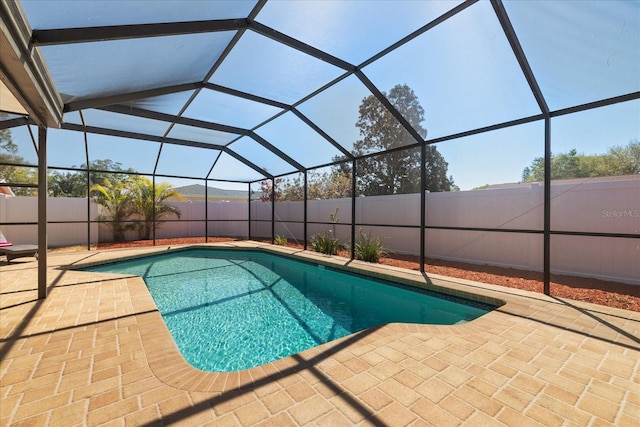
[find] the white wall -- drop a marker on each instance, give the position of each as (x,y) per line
(25,209)
(607,206)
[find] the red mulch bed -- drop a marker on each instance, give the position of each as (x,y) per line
(612,294)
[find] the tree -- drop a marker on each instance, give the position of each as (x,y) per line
(116,198)
(74,184)
(103,169)
(133,196)
(398,171)
(625,160)
(617,161)
(326,185)
(6,142)
(9,171)
(148,202)
(267,191)
(67,184)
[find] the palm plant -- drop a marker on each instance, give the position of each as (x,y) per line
(148,202)
(116,199)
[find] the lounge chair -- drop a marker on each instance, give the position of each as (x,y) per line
(16,251)
(3,241)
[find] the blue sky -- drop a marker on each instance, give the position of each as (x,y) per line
(463,72)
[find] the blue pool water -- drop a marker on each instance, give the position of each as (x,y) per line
(229,310)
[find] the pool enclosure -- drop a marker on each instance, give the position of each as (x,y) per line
(499,132)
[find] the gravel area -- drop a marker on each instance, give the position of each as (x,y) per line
(612,294)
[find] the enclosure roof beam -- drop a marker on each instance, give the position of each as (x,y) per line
(23,69)
(596,104)
(128,97)
(121,32)
(246,162)
(140,136)
(389,106)
(18,121)
(276,151)
(206,125)
(326,136)
(139,112)
(505,22)
(459,8)
(159,139)
(300,46)
(245,95)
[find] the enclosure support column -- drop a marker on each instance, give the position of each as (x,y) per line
(42,212)
(273,210)
(249,212)
(153,193)
(88,170)
(353,210)
(547,207)
(305,213)
(88,209)
(206,211)
(423,180)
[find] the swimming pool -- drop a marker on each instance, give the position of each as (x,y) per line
(229,310)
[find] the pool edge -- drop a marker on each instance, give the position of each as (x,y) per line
(169,366)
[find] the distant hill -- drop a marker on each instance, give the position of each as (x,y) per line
(196,192)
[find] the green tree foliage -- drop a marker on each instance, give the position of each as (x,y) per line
(67,184)
(10,172)
(123,199)
(266,187)
(148,202)
(117,200)
(74,184)
(618,160)
(320,185)
(6,142)
(397,172)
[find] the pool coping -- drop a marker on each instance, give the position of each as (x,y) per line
(169,366)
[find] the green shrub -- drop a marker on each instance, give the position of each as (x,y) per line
(280,240)
(325,243)
(369,249)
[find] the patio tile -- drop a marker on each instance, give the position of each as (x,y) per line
(277,401)
(300,391)
(607,410)
(385,370)
(147,416)
(72,414)
(434,414)
(280,420)
(99,351)
(480,401)
(309,410)
(457,407)
(333,419)
(396,414)
(104,399)
(400,392)
(544,416)
(512,417)
(252,413)
(36,407)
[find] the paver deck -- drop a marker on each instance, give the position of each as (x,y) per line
(97,352)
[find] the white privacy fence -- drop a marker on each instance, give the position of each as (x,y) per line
(604,206)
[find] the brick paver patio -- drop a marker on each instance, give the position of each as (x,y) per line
(96,352)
